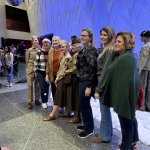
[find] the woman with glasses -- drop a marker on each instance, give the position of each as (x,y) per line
(86,74)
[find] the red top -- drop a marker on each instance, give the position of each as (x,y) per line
(56,61)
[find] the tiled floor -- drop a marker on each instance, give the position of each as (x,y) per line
(23,129)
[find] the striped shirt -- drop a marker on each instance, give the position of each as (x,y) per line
(41,61)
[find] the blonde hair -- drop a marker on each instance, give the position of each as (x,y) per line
(111,36)
(33,37)
(91,36)
(64,42)
(129,39)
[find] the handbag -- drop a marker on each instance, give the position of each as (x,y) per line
(67,79)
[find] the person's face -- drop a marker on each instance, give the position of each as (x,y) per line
(104,37)
(46,45)
(12,46)
(64,48)
(143,38)
(55,42)
(85,39)
(6,49)
(120,45)
(74,48)
(35,42)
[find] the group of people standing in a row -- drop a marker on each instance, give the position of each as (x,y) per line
(113,77)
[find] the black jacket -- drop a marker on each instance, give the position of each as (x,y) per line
(87,65)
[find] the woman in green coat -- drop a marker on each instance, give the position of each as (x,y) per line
(122,88)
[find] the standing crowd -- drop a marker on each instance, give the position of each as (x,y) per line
(76,74)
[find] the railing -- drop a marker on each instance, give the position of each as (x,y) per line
(16,25)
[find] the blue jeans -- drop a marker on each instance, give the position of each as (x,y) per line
(129,131)
(106,130)
(44,87)
(85,107)
(9,76)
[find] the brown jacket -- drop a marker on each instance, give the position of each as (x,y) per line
(49,66)
(30,57)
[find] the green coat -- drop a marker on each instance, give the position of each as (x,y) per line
(122,85)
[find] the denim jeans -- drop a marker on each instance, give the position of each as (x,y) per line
(129,131)
(9,76)
(85,107)
(44,86)
(106,130)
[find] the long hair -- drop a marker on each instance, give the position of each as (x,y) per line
(111,36)
(8,52)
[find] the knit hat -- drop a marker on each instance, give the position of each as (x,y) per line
(75,41)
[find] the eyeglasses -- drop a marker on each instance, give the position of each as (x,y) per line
(84,35)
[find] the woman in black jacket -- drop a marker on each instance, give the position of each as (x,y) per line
(86,73)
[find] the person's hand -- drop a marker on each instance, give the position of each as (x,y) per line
(35,74)
(5,67)
(46,78)
(96,96)
(56,83)
(8,66)
(64,74)
(88,91)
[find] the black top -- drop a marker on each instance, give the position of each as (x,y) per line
(87,65)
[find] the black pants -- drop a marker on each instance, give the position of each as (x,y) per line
(53,87)
(85,107)
(129,131)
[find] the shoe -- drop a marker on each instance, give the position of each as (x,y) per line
(37,102)
(134,146)
(11,84)
(73,120)
(8,85)
(97,140)
(29,106)
(61,110)
(96,135)
(85,134)
(49,104)
(80,128)
(64,115)
(17,82)
(44,105)
(48,118)
(147,109)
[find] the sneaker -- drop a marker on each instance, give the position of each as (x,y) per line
(11,84)
(44,105)
(49,104)
(85,134)
(80,128)
(8,85)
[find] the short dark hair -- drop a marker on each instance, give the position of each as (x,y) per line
(73,37)
(146,34)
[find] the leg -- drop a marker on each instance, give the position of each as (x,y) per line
(127,130)
(36,89)
(148,93)
(143,80)
(106,131)
(84,104)
(135,131)
(30,88)
(11,75)
(8,76)
(53,87)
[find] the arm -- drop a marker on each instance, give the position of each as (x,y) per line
(92,65)
(144,59)
(108,60)
(27,56)
(12,56)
